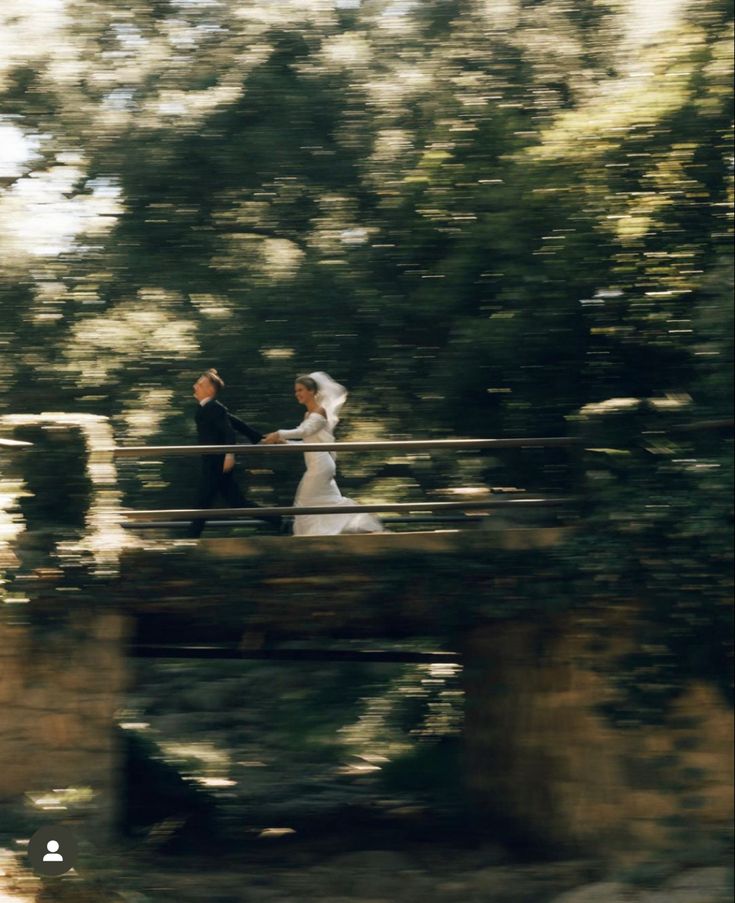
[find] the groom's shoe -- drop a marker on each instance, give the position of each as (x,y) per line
(286,527)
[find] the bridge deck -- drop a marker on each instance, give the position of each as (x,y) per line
(370,544)
(347,586)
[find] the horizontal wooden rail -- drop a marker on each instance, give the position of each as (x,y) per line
(219,513)
(14,443)
(406,445)
(702,426)
(140,650)
(428,518)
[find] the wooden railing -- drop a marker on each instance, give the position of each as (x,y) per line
(405,445)
(172,517)
(404,510)
(176,514)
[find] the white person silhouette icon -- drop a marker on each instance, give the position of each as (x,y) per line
(52,850)
(53,854)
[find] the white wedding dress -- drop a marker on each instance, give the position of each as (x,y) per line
(318,486)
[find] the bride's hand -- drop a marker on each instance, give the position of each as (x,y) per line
(272,439)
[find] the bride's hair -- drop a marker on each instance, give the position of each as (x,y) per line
(308,382)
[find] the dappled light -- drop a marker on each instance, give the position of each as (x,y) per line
(510,677)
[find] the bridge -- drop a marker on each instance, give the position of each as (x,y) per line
(506,596)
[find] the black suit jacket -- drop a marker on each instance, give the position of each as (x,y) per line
(216,426)
(241,427)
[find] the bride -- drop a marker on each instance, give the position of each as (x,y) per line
(323,399)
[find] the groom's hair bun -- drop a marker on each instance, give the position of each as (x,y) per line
(215,378)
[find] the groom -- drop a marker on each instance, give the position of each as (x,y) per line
(216,426)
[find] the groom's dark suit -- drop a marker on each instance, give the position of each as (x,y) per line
(216,426)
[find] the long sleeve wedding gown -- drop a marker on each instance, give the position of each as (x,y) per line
(318,486)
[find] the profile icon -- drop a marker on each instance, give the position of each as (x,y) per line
(52,850)
(53,854)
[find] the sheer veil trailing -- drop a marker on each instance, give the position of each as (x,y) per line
(330,395)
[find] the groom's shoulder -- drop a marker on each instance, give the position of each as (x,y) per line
(212,410)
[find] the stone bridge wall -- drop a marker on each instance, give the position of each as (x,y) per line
(60,688)
(544,751)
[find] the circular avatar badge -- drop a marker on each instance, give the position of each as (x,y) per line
(52,851)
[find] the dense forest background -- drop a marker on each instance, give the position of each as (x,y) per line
(478,216)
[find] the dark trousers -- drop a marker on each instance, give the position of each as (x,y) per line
(214,482)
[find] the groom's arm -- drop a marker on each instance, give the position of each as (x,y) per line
(223,431)
(253,435)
